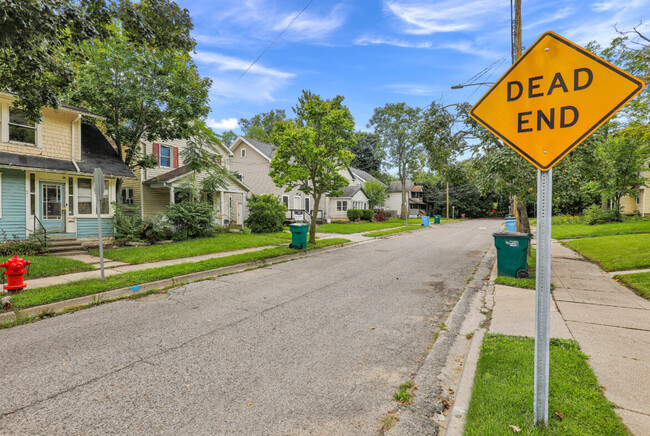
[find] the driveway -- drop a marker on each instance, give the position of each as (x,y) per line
(312,346)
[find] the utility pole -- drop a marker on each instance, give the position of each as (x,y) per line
(515,39)
(447,200)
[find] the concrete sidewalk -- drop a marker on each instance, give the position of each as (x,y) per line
(609,321)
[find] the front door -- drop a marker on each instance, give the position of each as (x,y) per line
(51,207)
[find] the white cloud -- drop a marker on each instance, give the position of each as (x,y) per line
(224,124)
(559,15)
(471,48)
(311,26)
(371,40)
(413,89)
(446,16)
(227,63)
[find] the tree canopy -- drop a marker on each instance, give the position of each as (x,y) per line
(312,148)
(368,153)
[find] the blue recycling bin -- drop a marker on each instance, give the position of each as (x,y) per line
(425,221)
(511,224)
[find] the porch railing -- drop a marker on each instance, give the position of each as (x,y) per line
(39,228)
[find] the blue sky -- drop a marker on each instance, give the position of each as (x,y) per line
(376,51)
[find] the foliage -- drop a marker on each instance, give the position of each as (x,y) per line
(368,154)
(367,214)
(266,213)
(157,228)
(376,193)
(595,214)
(441,143)
(260,126)
(502,395)
(144,92)
(312,148)
(354,214)
(22,247)
(36,36)
(191,219)
(127,221)
(228,137)
(397,126)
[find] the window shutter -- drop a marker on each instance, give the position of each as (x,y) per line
(156,151)
(175,157)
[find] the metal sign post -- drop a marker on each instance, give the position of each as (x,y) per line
(543,294)
(99,193)
(544,106)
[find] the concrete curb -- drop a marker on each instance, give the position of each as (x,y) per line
(444,365)
(54,308)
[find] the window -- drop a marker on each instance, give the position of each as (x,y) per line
(285,201)
(84,196)
(104,205)
(21,129)
(243,152)
(341,205)
(240,177)
(51,202)
(296,202)
(32,194)
(127,195)
(70,196)
(165,156)
(307,204)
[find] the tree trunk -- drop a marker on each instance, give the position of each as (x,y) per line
(404,205)
(523,225)
(312,225)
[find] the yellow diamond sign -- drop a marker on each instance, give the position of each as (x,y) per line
(552,98)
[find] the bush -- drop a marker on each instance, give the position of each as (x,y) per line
(191,219)
(367,214)
(22,247)
(596,215)
(157,229)
(354,214)
(128,223)
(567,219)
(265,213)
(382,215)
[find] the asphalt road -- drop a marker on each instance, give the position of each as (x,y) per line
(313,346)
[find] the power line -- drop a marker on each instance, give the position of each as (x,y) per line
(271,43)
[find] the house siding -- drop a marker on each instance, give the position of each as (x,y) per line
(12,222)
(156,201)
(87,227)
(255,169)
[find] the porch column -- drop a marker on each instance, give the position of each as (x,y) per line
(221,195)
(243,211)
(171,195)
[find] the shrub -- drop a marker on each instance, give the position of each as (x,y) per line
(192,219)
(382,215)
(157,229)
(367,214)
(128,223)
(354,214)
(22,247)
(265,213)
(594,214)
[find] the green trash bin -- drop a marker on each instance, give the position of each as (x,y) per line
(299,234)
(512,253)
(436,219)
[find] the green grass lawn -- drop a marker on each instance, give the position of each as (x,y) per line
(46,266)
(347,228)
(391,231)
(639,282)
(80,288)
(615,253)
(195,247)
(573,231)
(503,392)
(401,221)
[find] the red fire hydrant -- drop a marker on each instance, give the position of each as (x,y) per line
(15,268)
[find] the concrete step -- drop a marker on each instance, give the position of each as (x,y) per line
(67,253)
(67,247)
(63,244)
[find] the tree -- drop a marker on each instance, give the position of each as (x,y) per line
(312,148)
(144,93)
(367,152)
(376,193)
(397,125)
(35,39)
(228,138)
(260,126)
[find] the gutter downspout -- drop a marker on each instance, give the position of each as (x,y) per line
(74,143)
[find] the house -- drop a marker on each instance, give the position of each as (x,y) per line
(251,159)
(641,203)
(415,196)
(154,189)
(352,197)
(46,172)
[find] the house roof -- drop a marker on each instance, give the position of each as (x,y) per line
(396,186)
(350,191)
(364,175)
(96,152)
(169,175)
(417,188)
(416,201)
(63,105)
(267,149)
